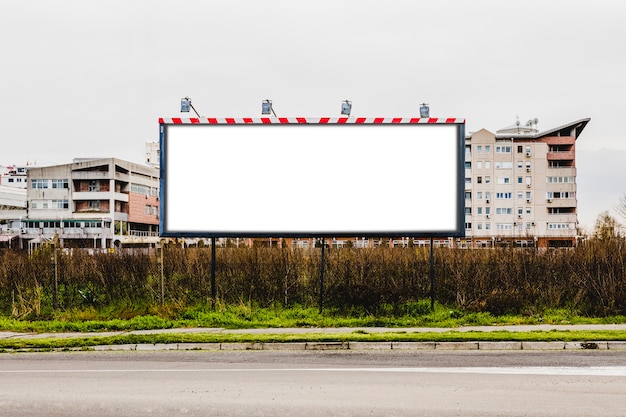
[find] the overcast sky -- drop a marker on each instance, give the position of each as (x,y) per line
(91,78)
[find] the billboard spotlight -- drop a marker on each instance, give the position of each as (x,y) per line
(346,107)
(266,107)
(185,103)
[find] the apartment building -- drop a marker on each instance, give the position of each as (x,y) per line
(520,186)
(14,175)
(97,203)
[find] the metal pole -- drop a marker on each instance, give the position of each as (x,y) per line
(213,288)
(55,298)
(432,277)
(322,277)
(162,275)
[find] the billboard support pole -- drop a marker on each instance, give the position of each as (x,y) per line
(322,276)
(213,288)
(432,277)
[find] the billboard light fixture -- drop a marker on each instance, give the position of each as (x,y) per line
(185,105)
(267,108)
(346,107)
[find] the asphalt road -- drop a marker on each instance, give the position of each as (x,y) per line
(292,383)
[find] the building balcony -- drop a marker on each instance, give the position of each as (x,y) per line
(561,202)
(90,175)
(561,171)
(561,156)
(99,195)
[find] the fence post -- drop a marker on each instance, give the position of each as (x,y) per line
(322,276)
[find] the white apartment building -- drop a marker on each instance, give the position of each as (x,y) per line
(98,203)
(14,175)
(520,186)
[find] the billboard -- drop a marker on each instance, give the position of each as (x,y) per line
(312,177)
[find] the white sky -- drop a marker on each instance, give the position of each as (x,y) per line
(91,78)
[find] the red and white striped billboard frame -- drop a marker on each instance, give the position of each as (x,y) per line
(420,231)
(310,120)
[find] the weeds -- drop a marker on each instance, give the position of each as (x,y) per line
(371,285)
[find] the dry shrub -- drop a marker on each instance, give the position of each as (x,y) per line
(589,278)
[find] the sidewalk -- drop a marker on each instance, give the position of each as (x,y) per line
(353,345)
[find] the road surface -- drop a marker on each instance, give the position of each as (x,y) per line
(291,383)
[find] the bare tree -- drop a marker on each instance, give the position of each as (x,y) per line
(621,207)
(606,227)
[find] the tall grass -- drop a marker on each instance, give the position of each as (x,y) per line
(588,280)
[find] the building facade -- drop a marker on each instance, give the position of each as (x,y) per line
(520,186)
(99,203)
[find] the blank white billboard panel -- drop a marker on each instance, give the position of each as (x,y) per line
(311,179)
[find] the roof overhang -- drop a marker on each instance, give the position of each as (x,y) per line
(564,130)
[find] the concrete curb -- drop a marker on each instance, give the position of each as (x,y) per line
(345,346)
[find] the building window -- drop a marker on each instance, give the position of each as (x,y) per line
(487,179)
(503,195)
(94,204)
(479,226)
(94,186)
(504,226)
(487,226)
(468,225)
(520,149)
(60,204)
(39,184)
(558,180)
(487,164)
(479,165)
(487,148)
(479,210)
(479,180)
(504,180)
(479,149)
(479,195)
(520,180)
(60,183)
(503,149)
(468,195)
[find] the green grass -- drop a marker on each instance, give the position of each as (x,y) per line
(244,316)
(357,336)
